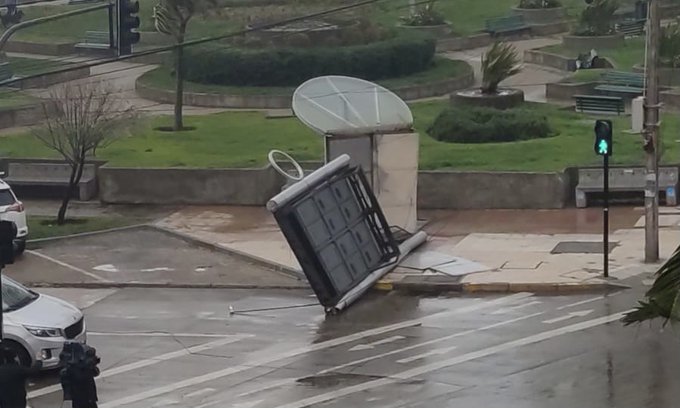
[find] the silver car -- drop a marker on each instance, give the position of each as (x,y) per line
(36,325)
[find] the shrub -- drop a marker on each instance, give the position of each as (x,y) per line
(488,125)
(597,18)
(669,46)
(397,57)
(539,4)
(424,16)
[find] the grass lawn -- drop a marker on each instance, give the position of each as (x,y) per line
(46,227)
(442,69)
(243,139)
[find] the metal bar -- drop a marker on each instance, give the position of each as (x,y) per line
(30,23)
(405,248)
(112,41)
(605,210)
(652,135)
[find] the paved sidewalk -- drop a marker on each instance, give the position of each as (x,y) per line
(510,261)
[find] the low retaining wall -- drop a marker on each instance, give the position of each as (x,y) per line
(584,43)
(51,79)
(435,31)
(541,15)
(56,49)
(567,90)
(436,189)
(550,28)
(489,190)
(547,59)
(464,43)
(188,186)
(284,101)
(667,76)
(27,115)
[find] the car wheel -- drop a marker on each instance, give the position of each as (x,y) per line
(19,247)
(22,356)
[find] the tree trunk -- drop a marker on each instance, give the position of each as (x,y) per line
(73,181)
(179,84)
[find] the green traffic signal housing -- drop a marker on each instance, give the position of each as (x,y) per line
(128,24)
(603,138)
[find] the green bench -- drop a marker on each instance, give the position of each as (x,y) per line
(95,40)
(599,104)
(504,25)
(631,28)
(5,71)
(621,83)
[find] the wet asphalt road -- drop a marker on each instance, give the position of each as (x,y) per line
(182,348)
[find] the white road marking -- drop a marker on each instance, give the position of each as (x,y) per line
(426,343)
(434,352)
(106,268)
(159,334)
(150,361)
(515,308)
(199,393)
(65,265)
(585,302)
(581,313)
(428,368)
(259,358)
(370,346)
(161,269)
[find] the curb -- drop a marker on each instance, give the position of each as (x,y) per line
(153,285)
(274,266)
(433,288)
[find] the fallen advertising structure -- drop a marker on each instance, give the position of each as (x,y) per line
(337,231)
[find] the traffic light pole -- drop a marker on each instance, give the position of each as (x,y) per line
(605,216)
(651,134)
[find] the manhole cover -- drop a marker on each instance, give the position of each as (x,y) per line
(581,247)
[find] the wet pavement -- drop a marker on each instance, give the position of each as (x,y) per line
(182,348)
(140,256)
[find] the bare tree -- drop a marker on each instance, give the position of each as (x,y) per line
(79,119)
(171,17)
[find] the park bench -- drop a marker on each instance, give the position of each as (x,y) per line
(631,28)
(599,104)
(5,71)
(624,179)
(52,175)
(95,41)
(626,83)
(504,25)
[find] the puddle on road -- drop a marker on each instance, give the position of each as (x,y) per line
(335,379)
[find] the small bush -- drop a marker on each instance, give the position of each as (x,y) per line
(487,125)
(669,46)
(597,18)
(397,57)
(425,16)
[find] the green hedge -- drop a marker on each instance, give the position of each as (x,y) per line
(396,57)
(488,125)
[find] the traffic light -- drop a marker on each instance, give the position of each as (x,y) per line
(128,23)
(8,232)
(604,143)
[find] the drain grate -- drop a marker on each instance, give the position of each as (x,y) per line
(581,247)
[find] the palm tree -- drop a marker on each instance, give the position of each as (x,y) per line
(663,299)
(171,17)
(500,62)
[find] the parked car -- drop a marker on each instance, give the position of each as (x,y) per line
(11,209)
(37,325)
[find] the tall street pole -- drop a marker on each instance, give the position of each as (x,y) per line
(651,134)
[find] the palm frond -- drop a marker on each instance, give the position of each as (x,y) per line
(500,62)
(663,298)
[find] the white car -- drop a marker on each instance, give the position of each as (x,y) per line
(36,325)
(11,209)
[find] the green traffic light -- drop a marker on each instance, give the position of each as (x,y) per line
(603,147)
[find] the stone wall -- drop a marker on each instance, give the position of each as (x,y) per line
(547,59)
(541,15)
(567,90)
(188,186)
(27,115)
(56,49)
(464,43)
(45,81)
(487,190)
